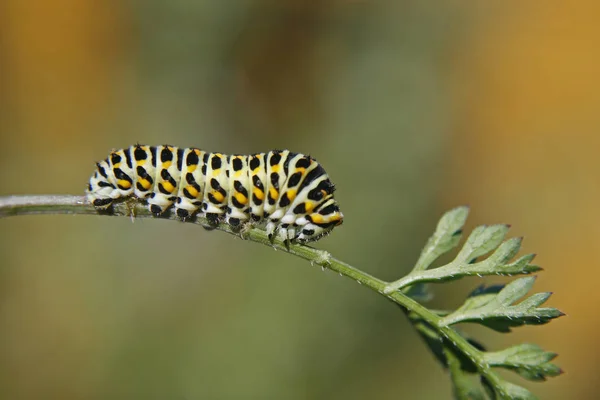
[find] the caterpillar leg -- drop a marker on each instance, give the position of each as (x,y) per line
(270,228)
(289,233)
(102,204)
(309,232)
(159,203)
(130,204)
(185,210)
(182,213)
(213,218)
(246,227)
(286,232)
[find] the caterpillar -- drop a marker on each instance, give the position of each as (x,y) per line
(288,193)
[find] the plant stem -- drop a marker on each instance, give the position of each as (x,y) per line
(65,204)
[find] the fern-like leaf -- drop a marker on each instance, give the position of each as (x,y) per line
(484,240)
(495,307)
(528,360)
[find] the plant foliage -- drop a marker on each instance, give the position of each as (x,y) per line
(499,307)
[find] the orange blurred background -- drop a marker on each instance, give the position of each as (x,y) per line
(412,109)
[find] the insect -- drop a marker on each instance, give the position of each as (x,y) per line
(288,193)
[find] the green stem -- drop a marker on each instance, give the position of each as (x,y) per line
(64,204)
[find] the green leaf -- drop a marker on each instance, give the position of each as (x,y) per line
(419,292)
(495,307)
(506,391)
(528,360)
(482,240)
(511,391)
(496,263)
(522,264)
(446,237)
(464,387)
(515,290)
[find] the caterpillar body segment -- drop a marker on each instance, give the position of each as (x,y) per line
(166,177)
(238,210)
(193,180)
(257,174)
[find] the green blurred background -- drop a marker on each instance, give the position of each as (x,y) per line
(413,108)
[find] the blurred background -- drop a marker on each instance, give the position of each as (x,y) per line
(412,108)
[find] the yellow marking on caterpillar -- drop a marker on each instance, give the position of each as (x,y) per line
(192,191)
(317,218)
(308,206)
(273,193)
(145,183)
(166,164)
(275,168)
(241,198)
(258,193)
(140,163)
(123,183)
(168,186)
(291,194)
(218,196)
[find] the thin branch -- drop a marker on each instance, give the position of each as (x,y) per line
(64,204)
